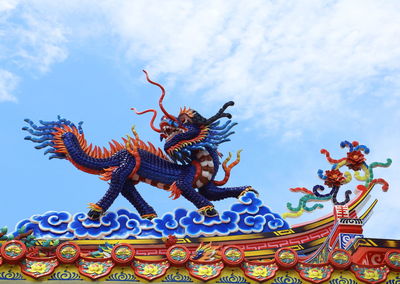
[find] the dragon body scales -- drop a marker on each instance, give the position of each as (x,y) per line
(188,167)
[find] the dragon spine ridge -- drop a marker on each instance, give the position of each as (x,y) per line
(188,167)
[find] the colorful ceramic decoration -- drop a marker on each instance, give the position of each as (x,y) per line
(392,259)
(205,270)
(11,276)
(150,269)
(258,270)
(315,273)
(122,277)
(37,269)
(178,254)
(286,257)
(95,269)
(123,253)
(335,179)
(370,274)
(13,251)
(65,276)
(68,252)
(232,255)
(177,277)
(340,258)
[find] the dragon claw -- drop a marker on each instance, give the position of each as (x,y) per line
(149,216)
(208,211)
(248,189)
(94,215)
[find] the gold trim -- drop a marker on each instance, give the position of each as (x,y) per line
(284,232)
(366,213)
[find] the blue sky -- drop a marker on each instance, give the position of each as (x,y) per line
(304,76)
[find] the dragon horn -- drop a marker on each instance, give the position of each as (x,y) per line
(221,113)
(161,98)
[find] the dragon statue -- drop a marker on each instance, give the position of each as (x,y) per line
(188,168)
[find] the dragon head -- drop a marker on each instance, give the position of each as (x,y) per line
(190,131)
(206,252)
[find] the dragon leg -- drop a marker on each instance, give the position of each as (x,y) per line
(118,179)
(132,195)
(214,193)
(185,186)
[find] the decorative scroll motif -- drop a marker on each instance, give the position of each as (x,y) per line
(95,269)
(205,271)
(394,281)
(314,273)
(370,274)
(177,278)
(334,179)
(122,276)
(345,240)
(233,279)
(150,270)
(342,280)
(65,276)
(259,271)
(286,280)
(37,269)
(10,275)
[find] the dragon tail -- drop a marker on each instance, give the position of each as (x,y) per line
(64,140)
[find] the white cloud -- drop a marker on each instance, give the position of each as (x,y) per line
(30,40)
(291,65)
(284,63)
(8,82)
(7,5)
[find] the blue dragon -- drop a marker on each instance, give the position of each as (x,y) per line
(188,166)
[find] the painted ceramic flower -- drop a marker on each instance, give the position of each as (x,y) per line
(13,250)
(260,271)
(68,252)
(355,160)
(151,269)
(395,258)
(123,252)
(38,267)
(315,273)
(205,270)
(95,268)
(178,254)
(286,256)
(340,257)
(371,274)
(233,254)
(334,178)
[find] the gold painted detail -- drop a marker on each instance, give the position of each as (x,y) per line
(284,232)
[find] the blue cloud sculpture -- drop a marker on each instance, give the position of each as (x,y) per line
(246,216)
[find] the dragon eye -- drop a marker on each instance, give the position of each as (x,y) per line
(184,118)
